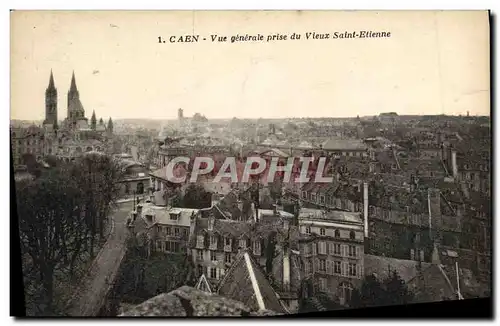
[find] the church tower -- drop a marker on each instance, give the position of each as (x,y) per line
(75,107)
(51,103)
(110,126)
(93,121)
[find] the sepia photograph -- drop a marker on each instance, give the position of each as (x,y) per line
(250,163)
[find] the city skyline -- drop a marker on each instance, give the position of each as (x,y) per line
(123,72)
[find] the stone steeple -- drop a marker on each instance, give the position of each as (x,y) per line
(51,102)
(93,121)
(75,107)
(110,126)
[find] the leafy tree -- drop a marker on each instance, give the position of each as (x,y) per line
(392,291)
(31,164)
(397,292)
(196,197)
(371,293)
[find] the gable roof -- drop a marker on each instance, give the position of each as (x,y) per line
(203,284)
(245,281)
(275,152)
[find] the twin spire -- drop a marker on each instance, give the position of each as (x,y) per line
(52,86)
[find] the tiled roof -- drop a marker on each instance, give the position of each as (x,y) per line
(312,213)
(187,301)
(343,144)
(162,214)
(274,152)
(382,267)
(295,275)
(246,282)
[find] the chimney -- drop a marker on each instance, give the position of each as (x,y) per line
(365,207)
(215,198)
(286,269)
(211,221)
(160,198)
(255,213)
(454,167)
(435,255)
(192,224)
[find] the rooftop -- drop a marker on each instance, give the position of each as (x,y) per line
(312,213)
(187,301)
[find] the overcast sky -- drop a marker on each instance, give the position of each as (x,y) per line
(433,63)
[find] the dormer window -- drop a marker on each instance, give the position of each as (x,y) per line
(322,231)
(174,216)
(243,243)
(213,240)
(337,234)
(308,230)
(228,241)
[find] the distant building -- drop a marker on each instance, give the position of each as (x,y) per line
(168,228)
(332,250)
(135,178)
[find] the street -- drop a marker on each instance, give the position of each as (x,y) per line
(95,286)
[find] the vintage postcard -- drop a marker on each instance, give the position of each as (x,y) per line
(250,163)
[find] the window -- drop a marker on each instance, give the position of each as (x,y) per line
(200,270)
(167,246)
(352,269)
(176,232)
(322,199)
(228,241)
(322,231)
(213,273)
(345,292)
(185,232)
(243,243)
(200,255)
(352,235)
(169,230)
(337,267)
(313,197)
(308,230)
(352,251)
(322,284)
(322,265)
(213,240)
(337,234)
(304,194)
(336,249)
(322,248)
(228,258)
(256,247)
(213,256)
(199,242)
(173,216)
